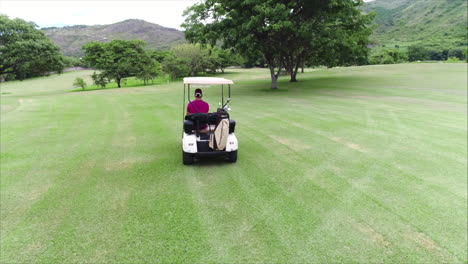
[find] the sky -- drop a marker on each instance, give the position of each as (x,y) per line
(59,13)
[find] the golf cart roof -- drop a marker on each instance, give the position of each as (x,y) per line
(206,80)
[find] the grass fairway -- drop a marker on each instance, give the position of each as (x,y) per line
(352,165)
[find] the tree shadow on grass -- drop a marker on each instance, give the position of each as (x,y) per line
(311,84)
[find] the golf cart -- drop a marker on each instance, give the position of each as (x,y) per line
(207,134)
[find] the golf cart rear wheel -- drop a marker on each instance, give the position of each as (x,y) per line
(232,156)
(187,158)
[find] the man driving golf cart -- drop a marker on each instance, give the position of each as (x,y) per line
(207,133)
(198,105)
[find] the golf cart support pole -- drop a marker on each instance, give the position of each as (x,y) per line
(183,105)
(188,92)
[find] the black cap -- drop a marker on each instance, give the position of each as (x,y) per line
(198,92)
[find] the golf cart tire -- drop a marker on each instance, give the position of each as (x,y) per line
(187,158)
(232,156)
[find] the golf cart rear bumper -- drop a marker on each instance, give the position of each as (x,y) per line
(212,153)
(190,144)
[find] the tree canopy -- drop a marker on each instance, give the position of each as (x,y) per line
(286,33)
(26,51)
(119,59)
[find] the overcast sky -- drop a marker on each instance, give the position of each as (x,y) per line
(60,13)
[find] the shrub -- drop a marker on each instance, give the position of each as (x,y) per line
(389,56)
(456,53)
(438,54)
(79,82)
(100,79)
(417,53)
(453,60)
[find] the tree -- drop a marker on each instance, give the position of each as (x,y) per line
(158,55)
(458,53)
(117,59)
(190,59)
(283,31)
(175,66)
(100,79)
(79,82)
(26,51)
(149,71)
(225,58)
(194,56)
(418,53)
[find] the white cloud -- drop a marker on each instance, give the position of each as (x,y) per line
(59,13)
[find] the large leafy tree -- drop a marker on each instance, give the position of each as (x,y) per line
(26,51)
(285,32)
(119,59)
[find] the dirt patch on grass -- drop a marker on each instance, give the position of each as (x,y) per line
(291,142)
(119,165)
(126,142)
(25,101)
(38,192)
(126,163)
(423,241)
(372,234)
(349,144)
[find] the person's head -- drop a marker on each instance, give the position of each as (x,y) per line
(198,93)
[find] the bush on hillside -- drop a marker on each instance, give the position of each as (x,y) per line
(453,60)
(418,53)
(389,56)
(79,82)
(438,54)
(100,79)
(458,53)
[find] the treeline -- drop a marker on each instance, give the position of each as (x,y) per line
(417,53)
(27,52)
(120,59)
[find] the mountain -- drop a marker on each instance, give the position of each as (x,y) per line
(71,39)
(432,23)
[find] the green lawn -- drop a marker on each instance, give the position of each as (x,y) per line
(350,165)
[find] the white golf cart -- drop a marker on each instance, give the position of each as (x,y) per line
(201,128)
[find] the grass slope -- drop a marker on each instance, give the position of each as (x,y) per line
(439,23)
(352,165)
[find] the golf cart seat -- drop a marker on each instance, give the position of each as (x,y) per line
(207,123)
(195,122)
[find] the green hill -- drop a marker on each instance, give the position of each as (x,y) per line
(71,39)
(432,23)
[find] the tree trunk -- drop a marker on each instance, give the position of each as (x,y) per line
(274,77)
(288,69)
(118,81)
(222,70)
(293,78)
(294,73)
(302,66)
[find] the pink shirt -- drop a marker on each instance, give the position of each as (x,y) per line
(200,105)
